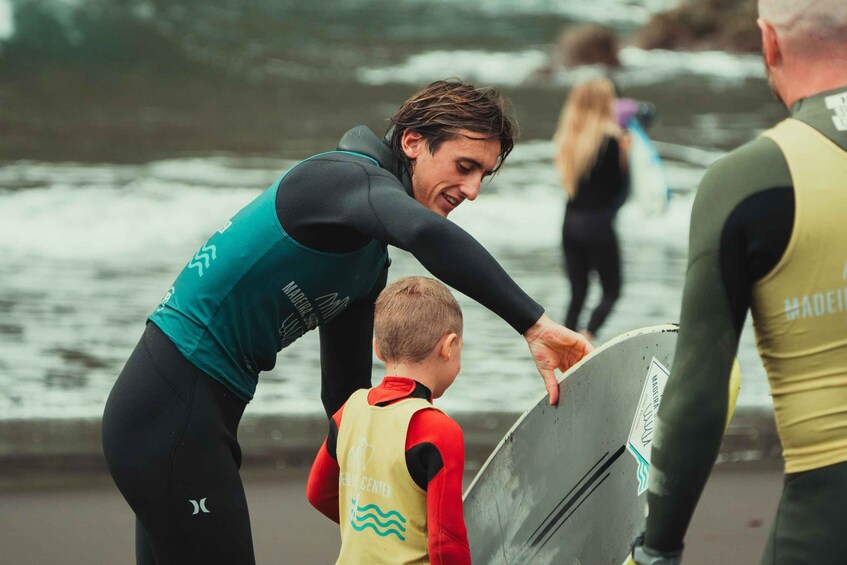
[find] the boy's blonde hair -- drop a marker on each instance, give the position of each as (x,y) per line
(411,315)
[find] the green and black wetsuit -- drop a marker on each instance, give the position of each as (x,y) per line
(767,235)
(308,252)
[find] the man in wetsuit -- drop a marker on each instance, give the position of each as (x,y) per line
(768,233)
(308,252)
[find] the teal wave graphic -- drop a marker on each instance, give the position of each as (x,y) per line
(365,517)
(379,533)
(203,254)
(379,511)
(643,469)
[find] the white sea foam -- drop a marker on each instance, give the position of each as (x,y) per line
(662,64)
(604,11)
(86,257)
(512,68)
(483,67)
(610,12)
(7,26)
(91,212)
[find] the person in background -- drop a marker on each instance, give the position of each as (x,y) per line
(768,235)
(591,158)
(390,470)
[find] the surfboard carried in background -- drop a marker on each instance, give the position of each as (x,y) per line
(566,484)
(648,183)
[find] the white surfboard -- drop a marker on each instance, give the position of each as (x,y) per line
(566,484)
(648,182)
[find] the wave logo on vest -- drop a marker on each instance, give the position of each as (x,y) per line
(368,517)
(384,522)
(204,256)
(640,442)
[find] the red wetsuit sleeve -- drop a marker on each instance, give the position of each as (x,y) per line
(447,536)
(322,487)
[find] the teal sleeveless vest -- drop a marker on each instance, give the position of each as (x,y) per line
(252,290)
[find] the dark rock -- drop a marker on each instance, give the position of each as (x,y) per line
(589,44)
(699,25)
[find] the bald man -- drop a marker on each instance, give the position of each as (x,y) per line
(769,235)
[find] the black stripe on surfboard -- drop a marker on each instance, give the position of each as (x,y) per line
(573,510)
(565,508)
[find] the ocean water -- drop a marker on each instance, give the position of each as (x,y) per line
(104,201)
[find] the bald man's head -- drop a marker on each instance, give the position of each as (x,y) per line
(809,25)
(804,43)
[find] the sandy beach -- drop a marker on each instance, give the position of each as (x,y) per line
(58,504)
(80,518)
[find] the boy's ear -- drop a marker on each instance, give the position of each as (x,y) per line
(376,350)
(445,346)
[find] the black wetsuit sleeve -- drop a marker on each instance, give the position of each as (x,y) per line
(423,462)
(346,358)
(448,252)
(356,203)
(741,223)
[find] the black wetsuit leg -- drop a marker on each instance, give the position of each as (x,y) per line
(169,437)
(590,244)
(606,260)
(805,530)
(143,549)
(576,268)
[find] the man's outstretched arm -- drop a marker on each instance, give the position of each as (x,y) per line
(455,257)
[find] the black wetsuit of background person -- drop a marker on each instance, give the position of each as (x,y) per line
(588,235)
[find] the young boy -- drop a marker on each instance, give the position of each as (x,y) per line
(390,473)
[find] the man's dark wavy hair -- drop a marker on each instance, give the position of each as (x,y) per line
(443,107)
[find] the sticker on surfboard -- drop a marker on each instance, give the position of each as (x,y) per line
(644,422)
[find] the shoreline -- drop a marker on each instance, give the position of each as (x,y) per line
(279,442)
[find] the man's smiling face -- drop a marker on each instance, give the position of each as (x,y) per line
(444,179)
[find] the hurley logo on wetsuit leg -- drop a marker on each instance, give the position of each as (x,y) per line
(199,506)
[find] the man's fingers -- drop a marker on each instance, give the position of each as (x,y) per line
(554,347)
(552,386)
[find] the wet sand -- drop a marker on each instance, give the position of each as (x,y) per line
(79,518)
(58,505)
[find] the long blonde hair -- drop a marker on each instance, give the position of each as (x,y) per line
(587,118)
